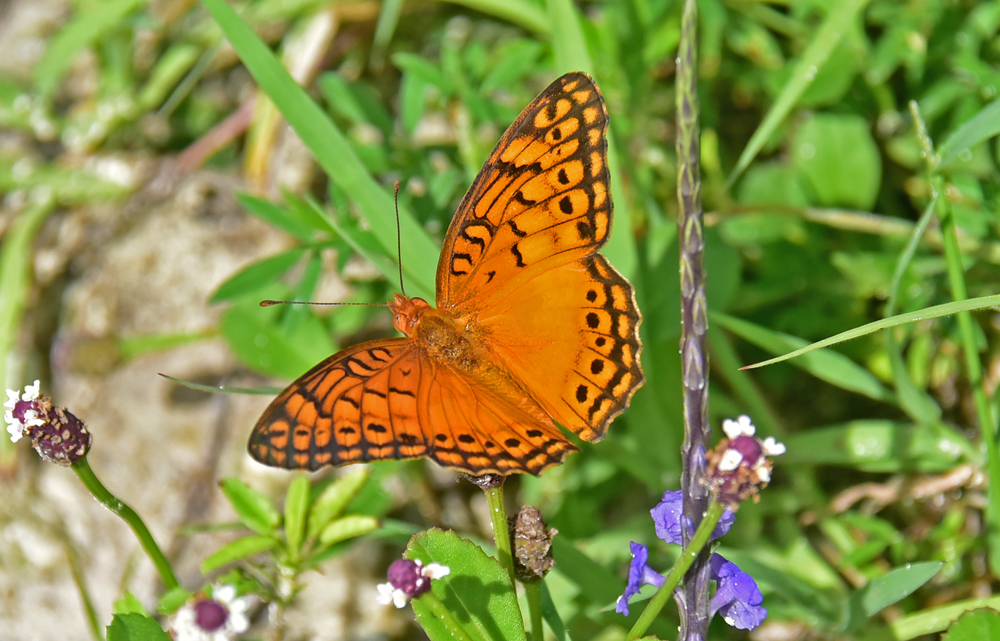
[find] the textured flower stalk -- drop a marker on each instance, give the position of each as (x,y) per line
(693,602)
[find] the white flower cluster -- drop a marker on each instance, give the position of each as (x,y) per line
(16,427)
(228,619)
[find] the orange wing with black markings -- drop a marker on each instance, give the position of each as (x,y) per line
(534,327)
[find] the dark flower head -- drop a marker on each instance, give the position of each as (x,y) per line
(408,580)
(639,574)
(737,597)
(738,467)
(668,515)
(219,618)
(57,435)
(532,542)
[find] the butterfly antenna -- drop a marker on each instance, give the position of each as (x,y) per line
(268,303)
(399,240)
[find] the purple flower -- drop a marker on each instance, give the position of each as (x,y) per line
(219,618)
(639,574)
(56,434)
(739,466)
(408,580)
(737,597)
(667,518)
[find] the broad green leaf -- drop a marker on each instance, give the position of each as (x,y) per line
(253,277)
(277,216)
(135,627)
(838,156)
(296,506)
(829,366)
(883,591)
(477,591)
(238,549)
(816,55)
(260,342)
(947,309)
(875,445)
(347,527)
(254,509)
(930,620)
(331,503)
(975,626)
(331,149)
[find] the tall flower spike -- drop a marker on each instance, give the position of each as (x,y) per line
(56,434)
(408,580)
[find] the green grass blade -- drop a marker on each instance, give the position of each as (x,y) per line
(980,127)
(831,367)
(937,311)
(85,28)
(813,58)
(520,12)
(571,54)
(330,148)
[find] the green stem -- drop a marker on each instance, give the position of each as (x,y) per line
(76,569)
(498,516)
(432,603)
(127,514)
(533,592)
(687,557)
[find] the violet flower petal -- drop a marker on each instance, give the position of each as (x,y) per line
(737,597)
(667,518)
(639,574)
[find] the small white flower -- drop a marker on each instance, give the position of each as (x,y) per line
(436,570)
(221,618)
(16,427)
(388,594)
(742,426)
(773,447)
(730,461)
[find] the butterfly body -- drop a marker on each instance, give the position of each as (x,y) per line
(533,327)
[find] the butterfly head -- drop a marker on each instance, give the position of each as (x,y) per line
(406,312)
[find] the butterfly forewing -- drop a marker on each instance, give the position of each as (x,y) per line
(541,199)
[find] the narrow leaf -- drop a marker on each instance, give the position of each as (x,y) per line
(238,549)
(256,275)
(348,527)
(331,503)
(254,509)
(296,506)
(276,215)
(982,126)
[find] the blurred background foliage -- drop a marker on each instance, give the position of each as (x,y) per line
(804,235)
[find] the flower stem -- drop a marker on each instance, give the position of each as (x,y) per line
(533,592)
(498,517)
(127,514)
(454,628)
(688,555)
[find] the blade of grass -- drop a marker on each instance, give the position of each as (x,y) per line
(937,311)
(85,27)
(980,127)
(813,58)
(330,148)
(520,12)
(571,54)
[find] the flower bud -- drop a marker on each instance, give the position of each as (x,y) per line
(56,434)
(532,542)
(738,467)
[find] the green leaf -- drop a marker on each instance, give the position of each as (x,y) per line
(254,509)
(596,583)
(969,304)
(828,366)
(875,445)
(347,527)
(129,604)
(551,615)
(424,70)
(238,549)
(257,275)
(85,28)
(477,591)
(975,626)
(296,506)
(839,158)
(172,600)
(331,149)
(883,591)
(821,46)
(520,12)
(331,503)
(980,127)
(259,341)
(277,216)
(135,627)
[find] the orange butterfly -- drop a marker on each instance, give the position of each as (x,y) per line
(533,326)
